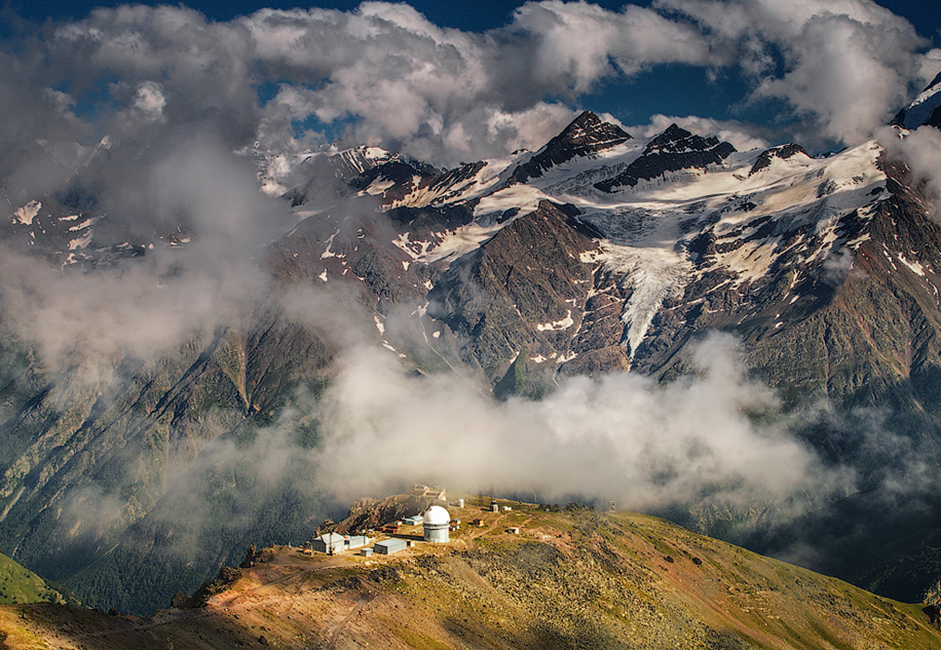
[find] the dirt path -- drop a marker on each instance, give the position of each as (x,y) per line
(190,614)
(356,609)
(477,532)
(325,566)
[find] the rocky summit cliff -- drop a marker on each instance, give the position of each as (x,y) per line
(600,252)
(524,578)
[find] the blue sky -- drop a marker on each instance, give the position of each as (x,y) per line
(504,75)
(476,15)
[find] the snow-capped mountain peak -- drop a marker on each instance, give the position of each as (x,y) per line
(924,110)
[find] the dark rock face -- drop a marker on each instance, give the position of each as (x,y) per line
(935,118)
(783,152)
(584,136)
(671,151)
(404,177)
(524,291)
(447,184)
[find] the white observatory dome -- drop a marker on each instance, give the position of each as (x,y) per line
(436,516)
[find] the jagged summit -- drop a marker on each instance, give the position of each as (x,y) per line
(589,133)
(673,150)
(586,135)
(676,140)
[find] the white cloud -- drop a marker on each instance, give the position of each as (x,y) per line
(150,99)
(386,75)
(620,437)
(929,66)
(579,43)
(847,64)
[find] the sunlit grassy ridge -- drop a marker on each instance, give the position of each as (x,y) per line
(20,585)
(572,578)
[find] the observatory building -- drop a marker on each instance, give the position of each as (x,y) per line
(435,525)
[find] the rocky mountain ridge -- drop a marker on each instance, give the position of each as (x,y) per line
(597,253)
(679,234)
(925,110)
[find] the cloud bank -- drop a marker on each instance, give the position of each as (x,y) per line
(177,94)
(621,437)
(383,74)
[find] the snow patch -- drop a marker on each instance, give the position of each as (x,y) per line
(80,226)
(558,325)
(327,253)
(916,267)
(652,275)
(28,212)
(81,242)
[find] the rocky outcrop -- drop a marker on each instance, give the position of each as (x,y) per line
(783,153)
(366,514)
(585,136)
(526,289)
(673,150)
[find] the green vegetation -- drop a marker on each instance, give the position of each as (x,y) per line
(20,585)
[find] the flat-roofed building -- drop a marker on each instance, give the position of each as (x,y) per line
(390,546)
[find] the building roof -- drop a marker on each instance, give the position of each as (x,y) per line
(436,516)
(392,542)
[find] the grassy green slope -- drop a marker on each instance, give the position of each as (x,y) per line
(20,585)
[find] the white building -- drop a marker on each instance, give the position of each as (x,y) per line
(435,525)
(332,543)
(390,546)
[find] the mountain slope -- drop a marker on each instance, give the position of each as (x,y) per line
(20,585)
(570,579)
(135,449)
(664,240)
(925,110)
(597,253)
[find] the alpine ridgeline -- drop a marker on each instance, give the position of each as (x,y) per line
(600,252)
(529,578)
